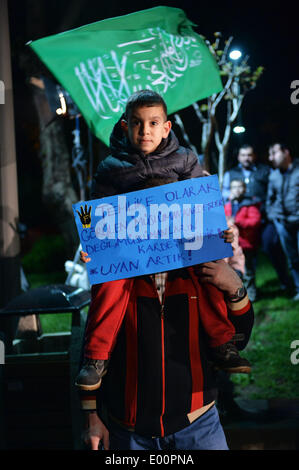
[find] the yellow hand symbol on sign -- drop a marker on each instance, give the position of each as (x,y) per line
(85,217)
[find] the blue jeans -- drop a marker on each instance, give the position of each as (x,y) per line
(289,239)
(205,433)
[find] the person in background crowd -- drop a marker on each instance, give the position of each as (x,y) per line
(256,177)
(241,211)
(282,204)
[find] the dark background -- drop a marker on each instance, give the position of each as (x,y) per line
(267,33)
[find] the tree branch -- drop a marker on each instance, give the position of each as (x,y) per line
(225,51)
(185,135)
(222,93)
(199,113)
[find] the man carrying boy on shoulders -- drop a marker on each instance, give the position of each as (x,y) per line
(159,389)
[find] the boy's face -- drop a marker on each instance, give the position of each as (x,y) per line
(237,189)
(146,127)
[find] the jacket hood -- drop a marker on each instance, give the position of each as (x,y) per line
(121,148)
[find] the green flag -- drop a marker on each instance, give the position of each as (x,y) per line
(103,63)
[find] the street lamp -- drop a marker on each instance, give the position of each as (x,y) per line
(235,54)
(63,108)
(239,129)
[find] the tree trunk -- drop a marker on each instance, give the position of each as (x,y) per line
(222,162)
(58,192)
(221,166)
(207,134)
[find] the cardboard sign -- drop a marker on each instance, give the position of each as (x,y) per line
(153,230)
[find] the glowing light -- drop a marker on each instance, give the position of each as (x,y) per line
(61,110)
(235,54)
(239,129)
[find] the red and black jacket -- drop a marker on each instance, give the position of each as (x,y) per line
(159,369)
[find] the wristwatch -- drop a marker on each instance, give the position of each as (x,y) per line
(238,295)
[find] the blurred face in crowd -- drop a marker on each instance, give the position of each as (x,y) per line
(246,157)
(146,127)
(278,157)
(237,189)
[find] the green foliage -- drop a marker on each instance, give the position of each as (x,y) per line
(52,323)
(204,107)
(47,255)
(55,323)
(269,352)
(276,326)
(239,71)
(42,279)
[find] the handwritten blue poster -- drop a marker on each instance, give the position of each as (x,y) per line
(153,230)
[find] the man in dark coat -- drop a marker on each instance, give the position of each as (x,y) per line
(159,389)
(282,205)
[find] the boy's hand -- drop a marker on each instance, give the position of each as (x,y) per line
(230,221)
(84,257)
(228,235)
(95,432)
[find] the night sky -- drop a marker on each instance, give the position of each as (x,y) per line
(268,34)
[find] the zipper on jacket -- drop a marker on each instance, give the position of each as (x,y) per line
(162,356)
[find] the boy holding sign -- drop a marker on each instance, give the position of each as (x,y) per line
(144,148)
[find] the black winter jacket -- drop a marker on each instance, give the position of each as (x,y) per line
(127,170)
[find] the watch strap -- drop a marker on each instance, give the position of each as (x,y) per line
(238,295)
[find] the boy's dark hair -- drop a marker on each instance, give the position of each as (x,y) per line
(144,98)
(236,180)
